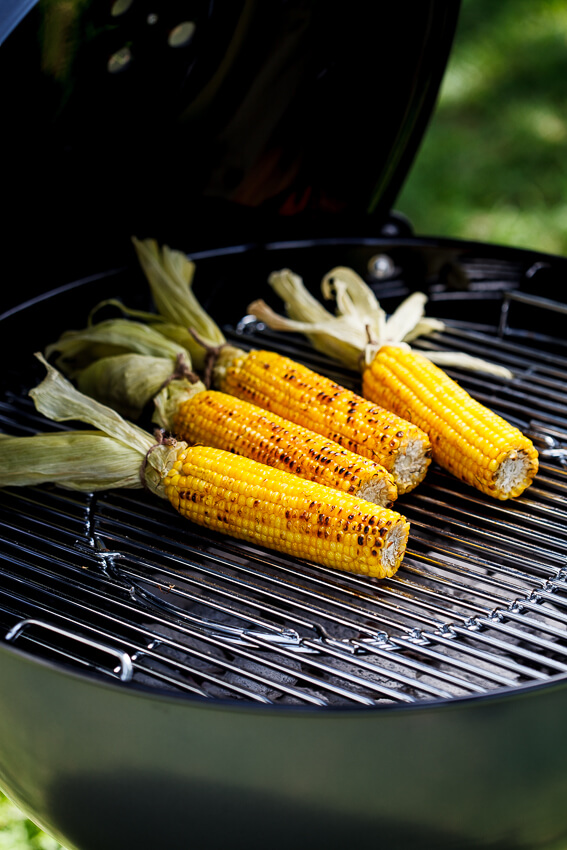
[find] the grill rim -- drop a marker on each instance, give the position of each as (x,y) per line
(433,705)
(303,244)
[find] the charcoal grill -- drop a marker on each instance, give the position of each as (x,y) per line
(163,685)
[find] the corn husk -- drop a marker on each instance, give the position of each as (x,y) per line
(126,382)
(170,330)
(77,349)
(57,399)
(170,276)
(168,401)
(77,460)
(360,327)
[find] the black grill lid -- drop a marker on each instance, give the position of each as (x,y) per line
(210,122)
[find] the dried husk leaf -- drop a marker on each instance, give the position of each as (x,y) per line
(466,361)
(174,332)
(170,276)
(126,382)
(354,299)
(77,460)
(59,400)
(168,401)
(331,337)
(360,327)
(78,349)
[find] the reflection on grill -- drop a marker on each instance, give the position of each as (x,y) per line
(118,584)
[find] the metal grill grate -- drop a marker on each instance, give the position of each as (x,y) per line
(118,585)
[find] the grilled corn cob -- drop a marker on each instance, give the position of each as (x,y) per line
(216,419)
(467,438)
(281,386)
(128,382)
(226,493)
(294,392)
(263,505)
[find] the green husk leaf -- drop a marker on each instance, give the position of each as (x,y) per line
(78,349)
(130,312)
(58,399)
(125,382)
(77,460)
(170,276)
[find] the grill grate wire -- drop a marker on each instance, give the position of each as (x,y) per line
(116,585)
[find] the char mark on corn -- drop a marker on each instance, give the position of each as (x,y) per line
(306,398)
(253,502)
(225,422)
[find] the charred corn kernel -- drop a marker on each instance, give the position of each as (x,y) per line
(253,502)
(300,395)
(226,422)
(467,438)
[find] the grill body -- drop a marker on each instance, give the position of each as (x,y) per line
(100,766)
(150,762)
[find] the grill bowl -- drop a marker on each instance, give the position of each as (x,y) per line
(468,753)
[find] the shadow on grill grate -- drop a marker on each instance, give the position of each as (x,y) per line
(119,585)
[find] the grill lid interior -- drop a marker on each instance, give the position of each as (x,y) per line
(119,586)
(179,120)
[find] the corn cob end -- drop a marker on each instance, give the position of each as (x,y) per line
(412,462)
(516,471)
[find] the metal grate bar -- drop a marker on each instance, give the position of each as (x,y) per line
(509,647)
(479,653)
(441,659)
(479,604)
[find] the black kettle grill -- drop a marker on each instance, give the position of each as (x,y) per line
(167,686)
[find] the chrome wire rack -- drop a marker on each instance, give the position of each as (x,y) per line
(119,586)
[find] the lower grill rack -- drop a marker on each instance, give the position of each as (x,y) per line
(119,586)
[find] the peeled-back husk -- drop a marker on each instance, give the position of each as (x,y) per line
(60,401)
(77,349)
(360,327)
(170,276)
(77,460)
(126,382)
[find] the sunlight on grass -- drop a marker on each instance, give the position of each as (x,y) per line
(523,228)
(492,165)
(19,833)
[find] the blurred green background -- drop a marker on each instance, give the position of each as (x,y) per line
(492,166)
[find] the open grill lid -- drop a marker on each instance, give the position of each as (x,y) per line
(211,122)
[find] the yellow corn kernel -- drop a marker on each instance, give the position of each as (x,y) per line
(300,395)
(467,438)
(257,503)
(225,422)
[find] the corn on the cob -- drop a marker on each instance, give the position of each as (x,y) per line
(300,395)
(225,422)
(253,502)
(467,438)
(266,380)
(230,494)
(128,382)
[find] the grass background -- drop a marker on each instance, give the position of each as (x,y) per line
(492,167)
